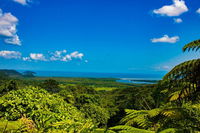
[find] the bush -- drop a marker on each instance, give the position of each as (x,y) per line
(43,108)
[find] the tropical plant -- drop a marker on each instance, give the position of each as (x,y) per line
(180,111)
(43,108)
(129,129)
(98,114)
(184,79)
(51,85)
(183,119)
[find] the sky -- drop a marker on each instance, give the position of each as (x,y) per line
(114,36)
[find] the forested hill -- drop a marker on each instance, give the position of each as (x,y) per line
(10,73)
(15,74)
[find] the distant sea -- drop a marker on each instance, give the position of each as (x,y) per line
(98,75)
(123,77)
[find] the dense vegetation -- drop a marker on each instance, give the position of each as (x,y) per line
(82,105)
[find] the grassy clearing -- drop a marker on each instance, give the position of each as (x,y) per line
(105,88)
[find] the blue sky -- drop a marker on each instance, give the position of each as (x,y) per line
(122,36)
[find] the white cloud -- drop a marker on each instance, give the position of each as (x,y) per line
(198,11)
(176,9)
(66,58)
(178,20)
(51,56)
(10,54)
(22,2)
(26,59)
(37,56)
(76,54)
(8,30)
(57,55)
(63,56)
(14,40)
(165,39)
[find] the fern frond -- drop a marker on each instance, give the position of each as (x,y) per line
(184,70)
(138,117)
(129,129)
(169,113)
(170,130)
(175,96)
(154,112)
(194,46)
(185,78)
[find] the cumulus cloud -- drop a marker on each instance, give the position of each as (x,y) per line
(14,40)
(63,56)
(76,54)
(178,20)
(198,11)
(10,54)
(166,39)
(66,58)
(37,56)
(57,55)
(8,29)
(22,2)
(176,9)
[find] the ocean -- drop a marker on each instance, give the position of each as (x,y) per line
(123,77)
(98,75)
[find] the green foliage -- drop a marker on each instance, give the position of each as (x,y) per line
(10,126)
(82,99)
(3,75)
(88,101)
(51,85)
(129,129)
(92,82)
(172,130)
(98,114)
(135,97)
(66,104)
(8,85)
(185,118)
(72,126)
(105,88)
(40,106)
(184,79)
